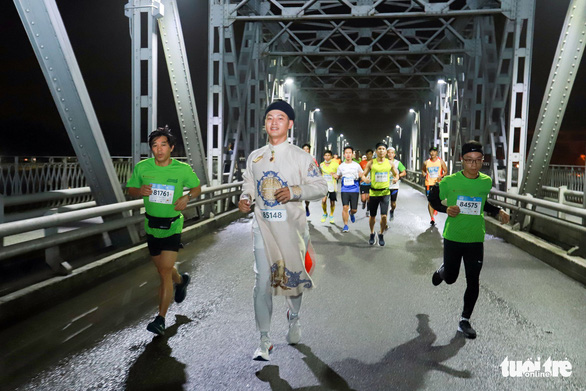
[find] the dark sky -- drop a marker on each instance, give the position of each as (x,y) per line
(99,34)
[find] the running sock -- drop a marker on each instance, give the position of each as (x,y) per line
(264,334)
(325,208)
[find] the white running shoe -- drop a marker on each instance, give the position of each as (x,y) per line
(294,333)
(263,351)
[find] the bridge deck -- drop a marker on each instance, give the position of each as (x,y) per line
(374,321)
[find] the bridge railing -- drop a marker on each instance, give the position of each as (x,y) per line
(561,207)
(216,200)
(29,175)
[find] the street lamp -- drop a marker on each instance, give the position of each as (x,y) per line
(312,129)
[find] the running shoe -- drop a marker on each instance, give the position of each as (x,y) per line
(307,212)
(181,289)
(371,240)
(262,352)
(157,326)
(392,214)
(332,219)
(465,328)
(367,213)
(381,240)
(294,333)
(437,279)
(345,229)
(324,217)
(352,217)
(432,222)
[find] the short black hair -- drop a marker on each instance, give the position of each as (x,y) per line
(381,144)
(328,151)
(306,145)
(369,150)
(433,149)
(348,147)
(160,132)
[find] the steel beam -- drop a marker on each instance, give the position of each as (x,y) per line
(180,78)
(559,86)
(46,31)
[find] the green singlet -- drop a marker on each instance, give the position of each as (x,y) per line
(168,183)
(470,195)
(380,174)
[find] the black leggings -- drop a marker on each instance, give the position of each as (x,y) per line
(473,254)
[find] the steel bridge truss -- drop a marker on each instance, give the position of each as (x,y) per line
(375,55)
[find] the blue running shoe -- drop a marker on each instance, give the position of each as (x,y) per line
(352,218)
(345,229)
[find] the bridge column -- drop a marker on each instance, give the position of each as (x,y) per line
(133,10)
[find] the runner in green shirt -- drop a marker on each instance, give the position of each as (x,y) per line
(160,181)
(466,195)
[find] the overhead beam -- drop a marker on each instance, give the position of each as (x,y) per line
(389,15)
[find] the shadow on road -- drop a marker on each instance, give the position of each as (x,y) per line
(155,369)
(327,377)
(402,368)
(405,367)
(427,246)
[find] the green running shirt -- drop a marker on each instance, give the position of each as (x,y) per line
(470,195)
(168,183)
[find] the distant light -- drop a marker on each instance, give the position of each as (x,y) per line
(316,110)
(397,126)
(441,81)
(341,135)
(411,111)
(289,80)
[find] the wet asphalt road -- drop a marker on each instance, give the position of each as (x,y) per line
(374,321)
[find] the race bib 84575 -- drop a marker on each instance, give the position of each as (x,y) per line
(469,205)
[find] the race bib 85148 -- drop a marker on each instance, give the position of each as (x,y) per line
(274,214)
(162,194)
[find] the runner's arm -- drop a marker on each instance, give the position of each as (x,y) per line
(434,199)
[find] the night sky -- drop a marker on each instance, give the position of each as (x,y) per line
(99,33)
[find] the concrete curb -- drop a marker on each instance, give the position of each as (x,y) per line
(20,304)
(556,257)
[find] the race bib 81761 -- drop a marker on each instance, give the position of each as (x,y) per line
(162,194)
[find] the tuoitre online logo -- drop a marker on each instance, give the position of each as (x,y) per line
(535,368)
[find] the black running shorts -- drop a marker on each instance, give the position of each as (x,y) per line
(350,198)
(332,196)
(374,203)
(157,245)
